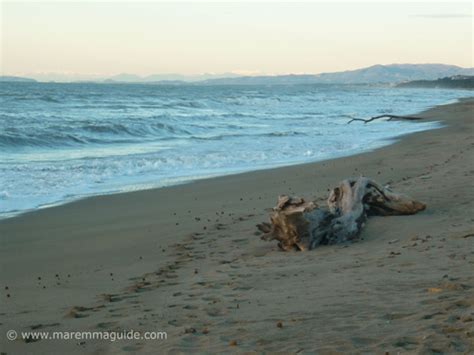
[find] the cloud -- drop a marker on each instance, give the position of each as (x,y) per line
(443,16)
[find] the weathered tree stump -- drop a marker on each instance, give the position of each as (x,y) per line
(296,223)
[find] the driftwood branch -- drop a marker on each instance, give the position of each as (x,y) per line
(296,223)
(390,117)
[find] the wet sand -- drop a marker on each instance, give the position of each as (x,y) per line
(186,260)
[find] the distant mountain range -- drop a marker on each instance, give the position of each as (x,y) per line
(451,82)
(132,78)
(396,73)
(386,74)
(376,74)
(16,79)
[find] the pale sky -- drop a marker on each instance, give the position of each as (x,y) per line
(88,38)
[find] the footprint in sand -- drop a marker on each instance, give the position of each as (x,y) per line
(41,326)
(215,312)
(80,312)
(407,343)
(133,348)
(107,325)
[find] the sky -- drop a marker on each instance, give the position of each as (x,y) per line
(91,39)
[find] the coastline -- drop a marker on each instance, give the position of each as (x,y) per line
(106,243)
(187,180)
(118,188)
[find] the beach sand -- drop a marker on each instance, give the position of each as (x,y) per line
(186,260)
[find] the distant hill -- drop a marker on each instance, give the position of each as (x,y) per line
(292,79)
(395,73)
(158,82)
(6,78)
(377,74)
(386,74)
(168,78)
(452,82)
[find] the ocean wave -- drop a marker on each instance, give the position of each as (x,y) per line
(48,99)
(45,98)
(112,133)
(100,138)
(285,134)
(110,128)
(185,104)
(40,140)
(57,141)
(242,135)
(141,130)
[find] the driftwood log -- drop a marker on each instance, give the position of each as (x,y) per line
(390,117)
(298,224)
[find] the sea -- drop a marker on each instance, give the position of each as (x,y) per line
(64,141)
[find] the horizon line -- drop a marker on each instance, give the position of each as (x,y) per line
(236,73)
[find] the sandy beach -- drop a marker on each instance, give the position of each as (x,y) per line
(186,260)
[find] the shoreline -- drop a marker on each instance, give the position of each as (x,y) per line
(186,260)
(383,143)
